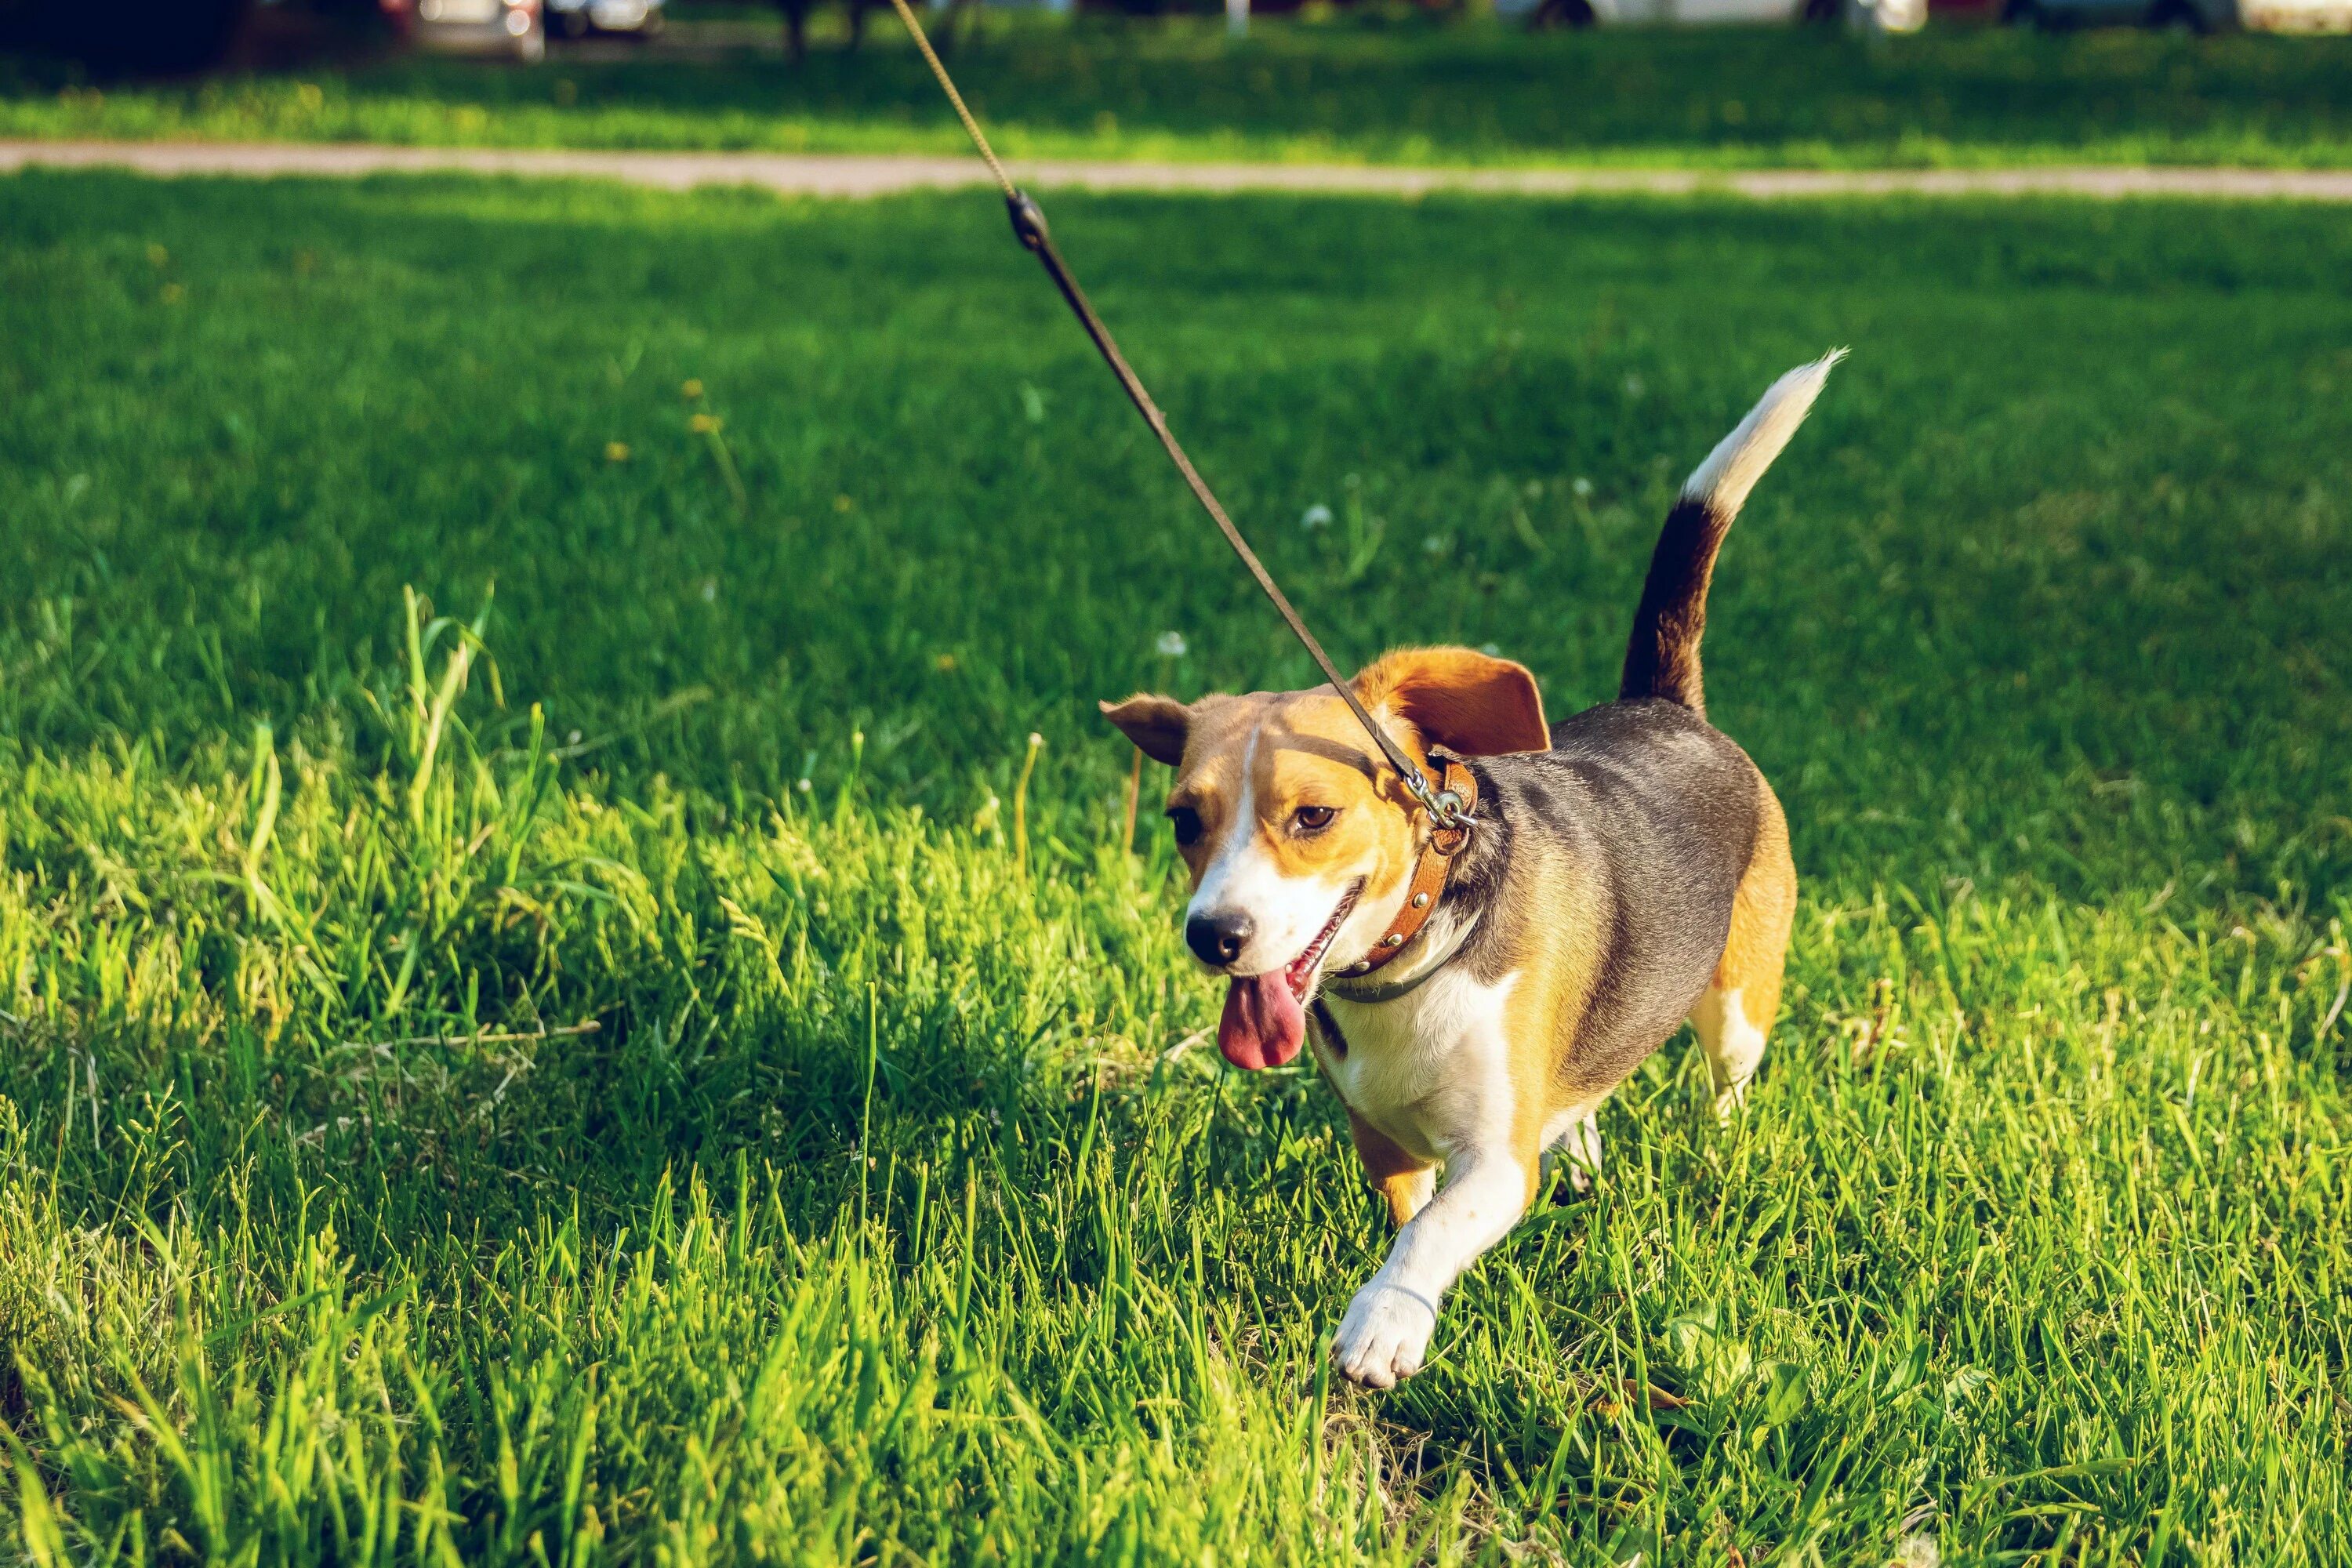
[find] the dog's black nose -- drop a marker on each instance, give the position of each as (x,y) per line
(1220,938)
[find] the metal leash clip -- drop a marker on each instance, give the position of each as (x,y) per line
(1445,807)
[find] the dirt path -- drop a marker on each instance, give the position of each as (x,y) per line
(845,176)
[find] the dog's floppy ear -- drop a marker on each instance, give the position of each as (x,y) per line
(1156,725)
(1471,704)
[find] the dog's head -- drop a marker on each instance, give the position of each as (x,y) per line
(1300,837)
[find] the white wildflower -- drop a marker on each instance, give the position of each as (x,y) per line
(1917,1549)
(1172,645)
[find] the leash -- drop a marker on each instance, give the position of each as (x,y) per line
(1446,807)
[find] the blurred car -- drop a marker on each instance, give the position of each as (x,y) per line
(2296,16)
(166,36)
(2197,16)
(473,26)
(578,19)
(1615,13)
(1885,15)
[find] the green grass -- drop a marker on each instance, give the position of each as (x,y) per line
(1710,98)
(893,1210)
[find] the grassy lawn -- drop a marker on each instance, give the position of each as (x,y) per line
(1719,98)
(659,1090)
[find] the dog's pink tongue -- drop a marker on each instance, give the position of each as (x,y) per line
(1262,1022)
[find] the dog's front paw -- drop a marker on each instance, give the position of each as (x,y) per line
(1386,1332)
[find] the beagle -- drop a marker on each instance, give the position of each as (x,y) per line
(1474,994)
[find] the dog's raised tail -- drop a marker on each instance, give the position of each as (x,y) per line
(1662,658)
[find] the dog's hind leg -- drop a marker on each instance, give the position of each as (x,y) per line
(1573,1139)
(1736,1013)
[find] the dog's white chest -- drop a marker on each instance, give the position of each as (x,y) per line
(1430,1068)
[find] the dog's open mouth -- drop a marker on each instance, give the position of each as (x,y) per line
(1265,1014)
(1302,968)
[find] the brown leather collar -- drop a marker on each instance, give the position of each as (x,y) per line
(1429,872)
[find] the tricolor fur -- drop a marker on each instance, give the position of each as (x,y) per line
(1630,870)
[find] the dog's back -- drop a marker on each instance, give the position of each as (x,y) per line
(1629,841)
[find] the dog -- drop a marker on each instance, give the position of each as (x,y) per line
(1474,992)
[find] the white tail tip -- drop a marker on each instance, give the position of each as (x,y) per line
(1739,459)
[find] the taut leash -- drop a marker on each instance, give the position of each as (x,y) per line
(1446,808)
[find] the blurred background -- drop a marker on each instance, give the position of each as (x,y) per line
(109,37)
(1680,83)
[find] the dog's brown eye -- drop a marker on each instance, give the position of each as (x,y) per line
(1313,818)
(1187,823)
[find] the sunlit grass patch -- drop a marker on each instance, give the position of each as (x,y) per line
(559,1008)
